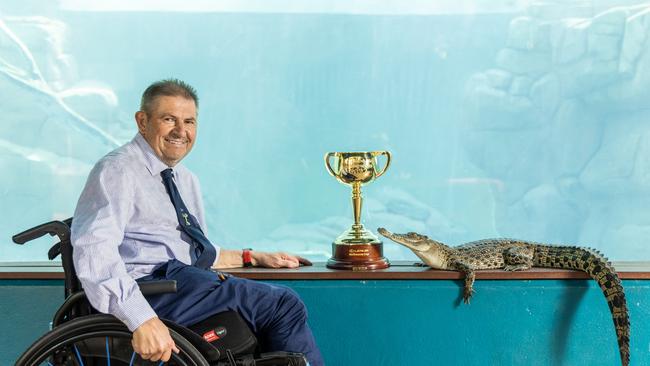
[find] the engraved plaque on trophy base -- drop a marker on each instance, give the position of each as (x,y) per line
(357,249)
(357,257)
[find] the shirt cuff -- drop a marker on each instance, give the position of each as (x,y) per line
(216,258)
(134,311)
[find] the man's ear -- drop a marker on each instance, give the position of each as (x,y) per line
(141,120)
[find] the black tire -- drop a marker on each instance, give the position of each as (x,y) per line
(99,340)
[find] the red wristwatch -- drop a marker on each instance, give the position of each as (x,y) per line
(246,257)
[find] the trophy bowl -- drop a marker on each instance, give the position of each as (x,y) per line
(356,248)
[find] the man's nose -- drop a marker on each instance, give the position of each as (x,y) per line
(179,128)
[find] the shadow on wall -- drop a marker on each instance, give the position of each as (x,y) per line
(566,311)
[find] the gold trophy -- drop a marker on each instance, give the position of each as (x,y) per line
(357,248)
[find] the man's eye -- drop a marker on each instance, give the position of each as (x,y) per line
(169,119)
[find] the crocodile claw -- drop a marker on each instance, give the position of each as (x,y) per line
(467,295)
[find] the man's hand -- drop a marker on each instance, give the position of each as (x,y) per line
(152,341)
(278,260)
(229,258)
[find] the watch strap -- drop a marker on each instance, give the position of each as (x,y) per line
(246,257)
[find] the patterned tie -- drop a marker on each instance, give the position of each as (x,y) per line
(205,251)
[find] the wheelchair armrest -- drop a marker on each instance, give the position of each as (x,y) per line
(58,228)
(147,288)
(157,287)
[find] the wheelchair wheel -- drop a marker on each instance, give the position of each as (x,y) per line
(99,340)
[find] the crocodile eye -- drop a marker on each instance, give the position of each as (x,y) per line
(414,236)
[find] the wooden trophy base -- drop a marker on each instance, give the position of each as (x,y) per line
(358,257)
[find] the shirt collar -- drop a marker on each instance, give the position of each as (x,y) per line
(151,161)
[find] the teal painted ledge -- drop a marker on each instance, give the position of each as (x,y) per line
(416,322)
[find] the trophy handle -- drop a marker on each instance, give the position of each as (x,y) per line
(327,163)
(379,153)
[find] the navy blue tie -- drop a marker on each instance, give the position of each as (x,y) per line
(205,251)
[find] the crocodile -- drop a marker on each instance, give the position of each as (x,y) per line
(519,255)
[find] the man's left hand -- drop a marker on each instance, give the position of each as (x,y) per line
(278,260)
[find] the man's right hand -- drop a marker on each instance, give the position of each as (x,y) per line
(152,341)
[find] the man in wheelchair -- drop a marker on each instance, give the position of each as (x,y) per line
(140,218)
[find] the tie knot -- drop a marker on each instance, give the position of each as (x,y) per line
(167,174)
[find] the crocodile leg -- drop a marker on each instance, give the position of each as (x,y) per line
(518,258)
(468,271)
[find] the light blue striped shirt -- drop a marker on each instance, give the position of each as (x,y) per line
(125,225)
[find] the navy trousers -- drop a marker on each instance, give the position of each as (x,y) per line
(275,313)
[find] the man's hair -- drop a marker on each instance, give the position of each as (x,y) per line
(168,88)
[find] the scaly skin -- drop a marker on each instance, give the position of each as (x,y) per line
(518,255)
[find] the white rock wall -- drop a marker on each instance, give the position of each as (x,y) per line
(563,119)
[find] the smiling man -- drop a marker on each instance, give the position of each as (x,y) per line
(169,126)
(140,217)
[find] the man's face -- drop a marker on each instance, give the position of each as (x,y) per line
(169,128)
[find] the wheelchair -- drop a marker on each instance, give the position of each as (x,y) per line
(81,336)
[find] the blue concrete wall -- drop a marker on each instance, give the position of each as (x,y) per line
(417,322)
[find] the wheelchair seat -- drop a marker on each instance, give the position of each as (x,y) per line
(82,336)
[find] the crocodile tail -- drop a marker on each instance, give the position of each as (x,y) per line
(597,267)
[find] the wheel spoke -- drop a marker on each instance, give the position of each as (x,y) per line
(108,354)
(81,362)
